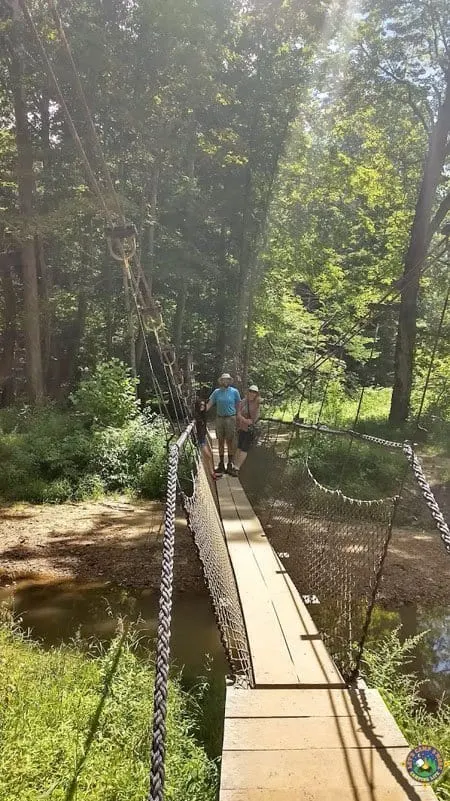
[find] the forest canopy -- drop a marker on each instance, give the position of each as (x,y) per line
(285,164)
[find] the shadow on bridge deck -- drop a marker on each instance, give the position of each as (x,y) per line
(299,734)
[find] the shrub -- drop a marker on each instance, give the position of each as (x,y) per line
(109,457)
(50,455)
(57,491)
(89,486)
(151,481)
(108,396)
(384,667)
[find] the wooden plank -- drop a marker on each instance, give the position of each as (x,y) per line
(293,734)
(335,771)
(271,660)
(312,662)
(394,793)
(273,703)
(367,707)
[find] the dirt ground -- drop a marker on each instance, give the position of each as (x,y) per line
(121,542)
(417,569)
(112,540)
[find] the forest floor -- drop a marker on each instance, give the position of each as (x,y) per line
(120,541)
(114,540)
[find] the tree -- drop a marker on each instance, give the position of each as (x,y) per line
(26,192)
(406,47)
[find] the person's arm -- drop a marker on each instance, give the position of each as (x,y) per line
(255,415)
(211,401)
(237,400)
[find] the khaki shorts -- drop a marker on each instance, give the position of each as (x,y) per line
(226,427)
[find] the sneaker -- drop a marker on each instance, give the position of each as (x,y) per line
(231,470)
(216,476)
(220,467)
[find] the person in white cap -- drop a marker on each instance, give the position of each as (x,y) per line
(226,399)
(247,418)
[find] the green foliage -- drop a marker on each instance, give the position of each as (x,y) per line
(108,396)
(384,667)
(52,457)
(89,486)
(48,704)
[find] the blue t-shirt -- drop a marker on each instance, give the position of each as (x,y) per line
(226,400)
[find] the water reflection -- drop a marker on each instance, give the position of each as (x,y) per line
(431,657)
(58,611)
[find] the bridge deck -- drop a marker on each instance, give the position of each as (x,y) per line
(300,734)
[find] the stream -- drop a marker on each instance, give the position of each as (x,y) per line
(57,611)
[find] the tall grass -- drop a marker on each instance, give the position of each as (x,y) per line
(384,667)
(75,727)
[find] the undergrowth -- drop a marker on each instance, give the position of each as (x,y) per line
(100,443)
(61,744)
(384,667)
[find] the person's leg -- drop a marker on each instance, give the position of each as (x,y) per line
(231,440)
(244,440)
(220,433)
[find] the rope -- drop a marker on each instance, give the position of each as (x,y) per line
(427,493)
(79,146)
(157,772)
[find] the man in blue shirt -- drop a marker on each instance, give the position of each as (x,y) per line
(226,399)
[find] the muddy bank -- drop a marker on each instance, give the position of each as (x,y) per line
(121,542)
(112,540)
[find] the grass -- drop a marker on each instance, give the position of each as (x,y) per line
(75,726)
(384,667)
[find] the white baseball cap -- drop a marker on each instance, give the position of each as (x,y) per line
(253,388)
(225,375)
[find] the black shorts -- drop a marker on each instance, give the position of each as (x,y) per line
(245,439)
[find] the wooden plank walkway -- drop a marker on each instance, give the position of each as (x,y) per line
(300,734)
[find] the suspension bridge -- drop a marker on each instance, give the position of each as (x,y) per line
(299,722)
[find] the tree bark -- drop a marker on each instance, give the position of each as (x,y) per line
(415,256)
(152,225)
(221,304)
(180,310)
(9,335)
(26,190)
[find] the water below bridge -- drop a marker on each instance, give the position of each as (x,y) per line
(59,611)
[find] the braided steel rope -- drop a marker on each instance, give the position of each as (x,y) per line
(157,772)
(428,496)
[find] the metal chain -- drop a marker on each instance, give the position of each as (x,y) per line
(427,493)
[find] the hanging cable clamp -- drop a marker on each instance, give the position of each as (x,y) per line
(121,241)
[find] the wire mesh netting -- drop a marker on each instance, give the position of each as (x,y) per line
(331,545)
(207,531)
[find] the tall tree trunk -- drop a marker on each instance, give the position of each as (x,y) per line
(9,334)
(221,305)
(150,262)
(417,250)
(244,258)
(77,332)
(43,271)
(180,310)
(26,187)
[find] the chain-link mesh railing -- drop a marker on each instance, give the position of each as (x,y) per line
(331,545)
(207,531)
